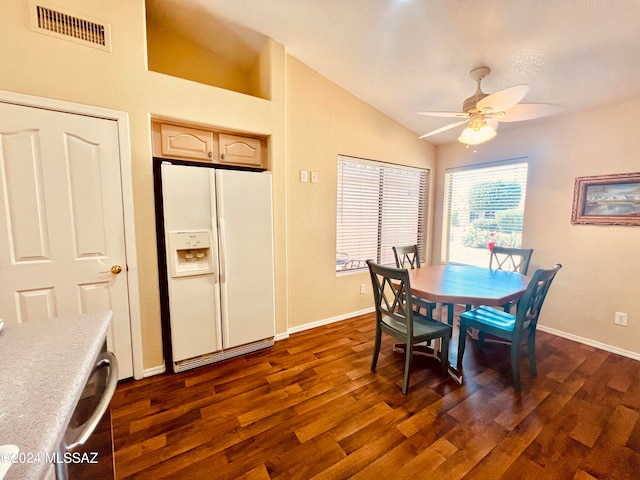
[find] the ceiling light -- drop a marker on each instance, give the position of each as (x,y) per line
(477,132)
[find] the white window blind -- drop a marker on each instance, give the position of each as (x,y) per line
(483,204)
(379,205)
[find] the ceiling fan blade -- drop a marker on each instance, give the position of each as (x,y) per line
(443,114)
(528,111)
(503,99)
(443,129)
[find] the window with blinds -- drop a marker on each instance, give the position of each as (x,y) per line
(483,206)
(379,205)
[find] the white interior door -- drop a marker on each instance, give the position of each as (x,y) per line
(61,221)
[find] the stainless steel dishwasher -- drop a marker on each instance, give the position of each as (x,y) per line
(86,451)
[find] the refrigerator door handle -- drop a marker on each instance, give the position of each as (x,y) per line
(221,248)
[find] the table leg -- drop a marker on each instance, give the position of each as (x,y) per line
(426,351)
(437,312)
(420,349)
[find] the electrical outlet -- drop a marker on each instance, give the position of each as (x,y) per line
(304,176)
(620,319)
(362,289)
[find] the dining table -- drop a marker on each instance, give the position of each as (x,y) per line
(467,284)
(450,284)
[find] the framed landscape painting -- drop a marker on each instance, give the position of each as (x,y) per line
(607,200)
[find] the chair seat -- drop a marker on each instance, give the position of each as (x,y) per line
(499,325)
(491,317)
(422,327)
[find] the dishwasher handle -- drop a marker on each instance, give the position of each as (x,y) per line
(74,437)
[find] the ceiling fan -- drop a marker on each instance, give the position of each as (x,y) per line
(482,112)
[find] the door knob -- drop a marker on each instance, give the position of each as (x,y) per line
(116,269)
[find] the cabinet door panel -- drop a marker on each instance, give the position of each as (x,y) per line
(237,150)
(185,142)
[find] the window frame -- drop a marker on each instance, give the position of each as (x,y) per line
(481,170)
(383,197)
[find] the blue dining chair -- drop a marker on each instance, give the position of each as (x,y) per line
(396,317)
(507,326)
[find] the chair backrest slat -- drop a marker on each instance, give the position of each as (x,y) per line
(407,256)
(511,259)
(530,304)
(392,293)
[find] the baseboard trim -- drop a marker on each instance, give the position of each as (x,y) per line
(281,336)
(590,342)
(327,321)
(307,326)
(150,372)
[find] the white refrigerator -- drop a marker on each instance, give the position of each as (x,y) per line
(218,237)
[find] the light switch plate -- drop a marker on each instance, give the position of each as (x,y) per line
(620,318)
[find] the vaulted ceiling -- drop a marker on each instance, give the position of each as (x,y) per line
(405,56)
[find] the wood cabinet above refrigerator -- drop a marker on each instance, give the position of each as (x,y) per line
(185,142)
(210,146)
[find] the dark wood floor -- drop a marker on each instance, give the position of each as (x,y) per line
(309,407)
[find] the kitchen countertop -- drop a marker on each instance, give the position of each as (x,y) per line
(44,366)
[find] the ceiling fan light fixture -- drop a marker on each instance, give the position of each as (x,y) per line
(477,133)
(501,106)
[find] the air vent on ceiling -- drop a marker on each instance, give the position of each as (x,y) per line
(53,21)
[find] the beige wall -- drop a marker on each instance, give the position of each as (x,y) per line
(600,274)
(308,126)
(171,54)
(40,65)
(324,121)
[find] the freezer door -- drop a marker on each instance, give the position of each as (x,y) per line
(194,310)
(245,237)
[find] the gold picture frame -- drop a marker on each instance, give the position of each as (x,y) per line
(607,200)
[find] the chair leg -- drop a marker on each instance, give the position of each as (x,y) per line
(376,348)
(444,354)
(514,365)
(462,338)
(450,313)
(408,358)
(532,352)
